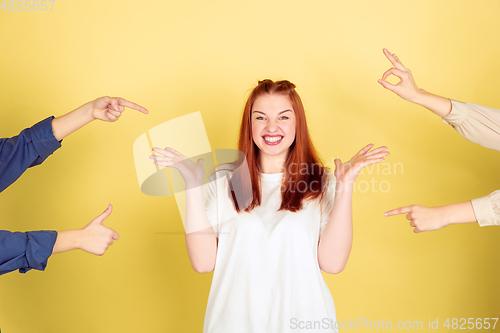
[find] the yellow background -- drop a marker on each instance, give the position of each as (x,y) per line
(178,57)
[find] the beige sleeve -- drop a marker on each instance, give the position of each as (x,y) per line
(487,209)
(477,123)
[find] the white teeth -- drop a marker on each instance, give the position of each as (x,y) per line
(273,139)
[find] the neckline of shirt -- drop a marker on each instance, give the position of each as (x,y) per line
(272,176)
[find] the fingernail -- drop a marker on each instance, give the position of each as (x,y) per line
(386,214)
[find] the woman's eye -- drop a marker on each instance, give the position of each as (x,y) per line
(260,118)
(284,117)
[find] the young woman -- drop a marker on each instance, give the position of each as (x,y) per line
(477,123)
(271,225)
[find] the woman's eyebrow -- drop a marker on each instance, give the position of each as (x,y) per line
(278,113)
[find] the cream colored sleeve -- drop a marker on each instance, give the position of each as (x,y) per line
(477,123)
(481,125)
(487,209)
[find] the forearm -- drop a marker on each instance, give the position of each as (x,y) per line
(65,125)
(336,240)
(458,213)
(201,243)
(440,106)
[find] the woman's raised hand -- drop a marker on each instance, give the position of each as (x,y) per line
(191,172)
(347,173)
(110,108)
(407,89)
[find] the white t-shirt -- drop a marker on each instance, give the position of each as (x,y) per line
(267,277)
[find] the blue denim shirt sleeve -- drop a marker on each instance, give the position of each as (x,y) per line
(25,250)
(31,147)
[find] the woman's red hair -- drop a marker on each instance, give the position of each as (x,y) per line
(246,193)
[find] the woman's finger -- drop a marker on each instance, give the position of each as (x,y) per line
(365,149)
(393,71)
(173,151)
(131,105)
(163,152)
(381,154)
(110,116)
(387,85)
(376,150)
(370,161)
(394,61)
(160,158)
(113,112)
(398,211)
(118,108)
(164,163)
(395,56)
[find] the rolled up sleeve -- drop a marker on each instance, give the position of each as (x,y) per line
(487,209)
(24,251)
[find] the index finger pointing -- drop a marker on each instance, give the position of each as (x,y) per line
(397,211)
(131,105)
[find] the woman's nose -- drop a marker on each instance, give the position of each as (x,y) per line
(272,126)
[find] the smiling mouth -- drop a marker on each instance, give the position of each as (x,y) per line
(273,140)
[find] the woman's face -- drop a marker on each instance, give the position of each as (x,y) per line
(273,124)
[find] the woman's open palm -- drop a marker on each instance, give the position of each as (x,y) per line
(191,172)
(349,171)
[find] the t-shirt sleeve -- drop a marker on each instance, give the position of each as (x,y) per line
(327,201)
(216,192)
(25,250)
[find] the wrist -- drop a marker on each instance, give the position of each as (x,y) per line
(77,239)
(66,240)
(420,97)
(344,187)
(86,112)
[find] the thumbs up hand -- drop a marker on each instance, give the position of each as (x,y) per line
(95,238)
